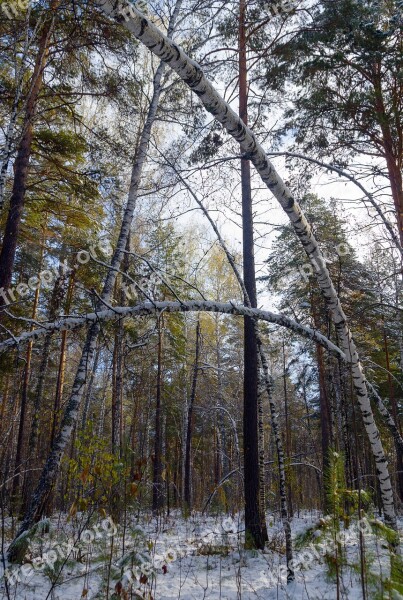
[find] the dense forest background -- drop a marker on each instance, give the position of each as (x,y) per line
(170,341)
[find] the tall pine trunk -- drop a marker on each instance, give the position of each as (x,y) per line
(189,427)
(392,157)
(395,414)
(21,165)
(23,410)
(255,526)
(34,452)
(25,388)
(61,372)
(158,482)
(9,137)
(192,74)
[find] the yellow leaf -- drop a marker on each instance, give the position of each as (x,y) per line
(84,474)
(73,510)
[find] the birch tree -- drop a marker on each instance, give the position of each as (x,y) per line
(193,76)
(149,308)
(51,468)
(257,529)
(104,311)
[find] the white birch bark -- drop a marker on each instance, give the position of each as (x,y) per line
(150,308)
(9,142)
(351,178)
(389,420)
(220,401)
(51,468)
(191,73)
(281,462)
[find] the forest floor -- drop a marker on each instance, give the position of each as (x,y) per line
(196,558)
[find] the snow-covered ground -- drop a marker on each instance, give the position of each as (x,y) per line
(197,558)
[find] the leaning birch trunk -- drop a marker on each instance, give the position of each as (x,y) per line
(353,180)
(89,392)
(52,466)
(389,420)
(191,73)
(154,307)
(150,308)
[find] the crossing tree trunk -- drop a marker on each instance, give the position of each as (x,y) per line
(193,76)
